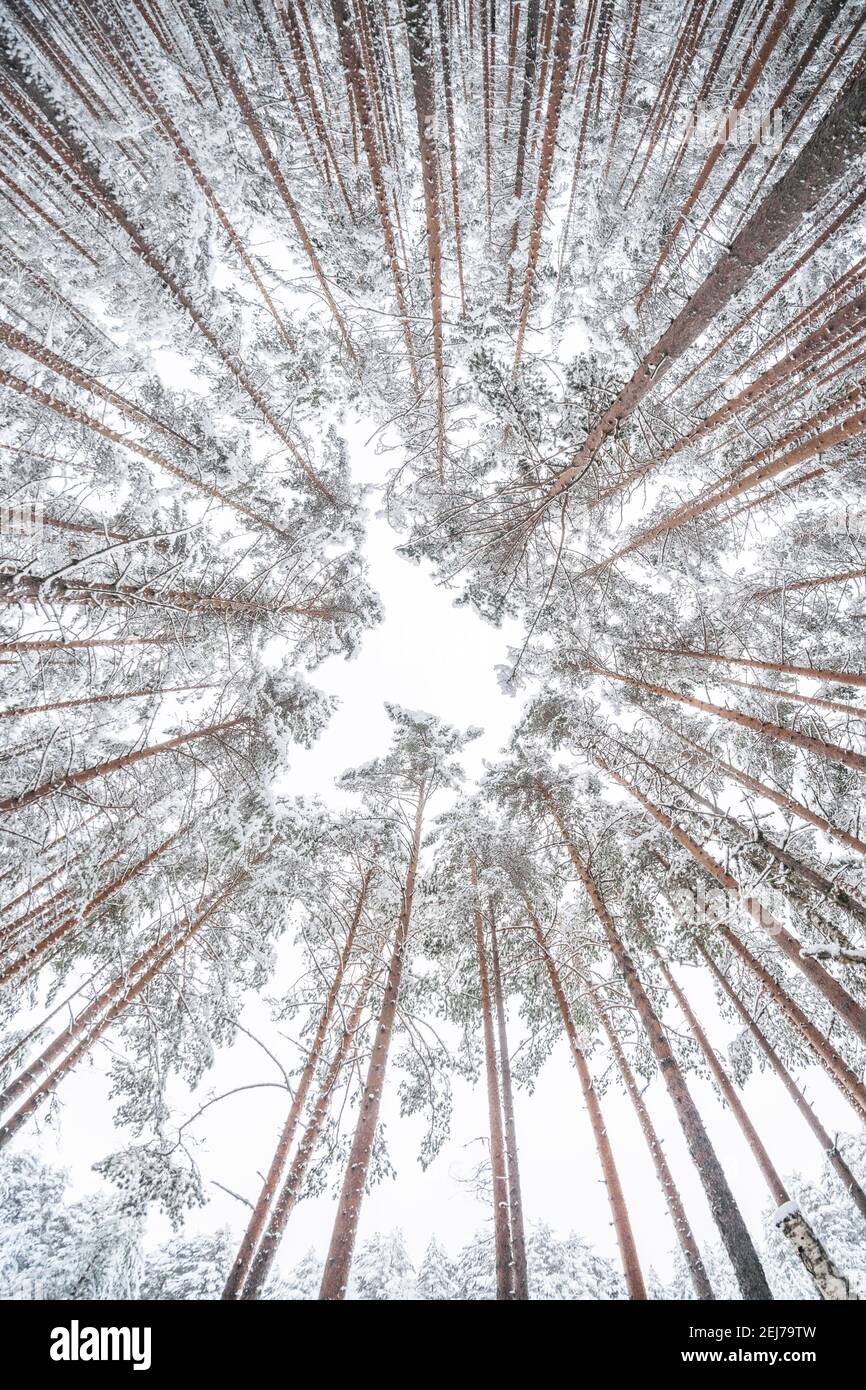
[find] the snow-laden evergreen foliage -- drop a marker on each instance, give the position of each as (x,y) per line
(590,280)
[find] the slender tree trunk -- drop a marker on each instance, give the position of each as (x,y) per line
(736,483)
(21,588)
(828,1145)
(774,34)
(486,101)
(78,644)
(498,1164)
(357,85)
(269,1244)
(723,1205)
(515,1195)
(825,1053)
(68,924)
(98,1016)
(241,1267)
(615,1195)
(818,746)
(623,85)
(419,28)
(79,417)
(79,160)
(339,1258)
(22,710)
(445,48)
(775,1186)
(836,706)
(848,1009)
(794,808)
(89,774)
(685,1238)
(757,664)
(815,582)
(247,110)
(530,56)
(825,158)
(561,56)
(841,326)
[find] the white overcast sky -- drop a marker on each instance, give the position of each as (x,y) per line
(429,655)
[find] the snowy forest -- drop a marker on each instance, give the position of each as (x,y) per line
(568,304)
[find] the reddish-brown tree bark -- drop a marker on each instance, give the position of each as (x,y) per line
(561,56)
(515,1193)
(293,1185)
(530,56)
(504,1258)
(832,751)
(341,1249)
(828,1146)
(685,1238)
(818,673)
(848,1009)
(837,141)
(723,1205)
(615,1195)
(90,774)
(420,35)
(243,1260)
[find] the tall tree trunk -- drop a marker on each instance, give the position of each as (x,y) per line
(20,711)
(341,1249)
(723,1205)
(840,327)
(815,582)
(736,483)
(832,751)
(445,48)
(825,1053)
(515,1194)
(79,417)
(848,1009)
(561,56)
(247,110)
(97,1017)
(628,53)
(758,664)
(79,161)
(357,85)
(775,1186)
(252,1235)
(291,1190)
(89,774)
(530,55)
(826,157)
(616,1197)
(794,808)
(836,706)
(69,924)
(498,1165)
(828,1145)
(21,588)
(774,34)
(687,1243)
(420,35)
(79,644)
